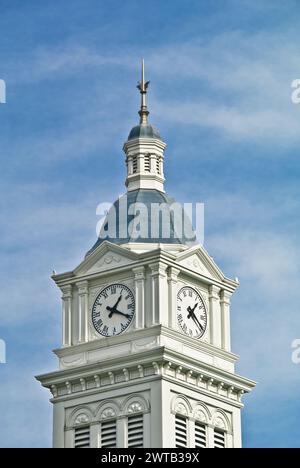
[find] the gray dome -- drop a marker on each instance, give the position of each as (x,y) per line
(162,231)
(144,131)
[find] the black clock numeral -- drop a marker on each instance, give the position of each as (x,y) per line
(184,293)
(190,293)
(127,297)
(130,306)
(105,330)
(114,331)
(113,289)
(104,294)
(179,308)
(97,314)
(100,322)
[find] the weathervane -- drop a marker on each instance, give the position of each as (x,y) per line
(143,86)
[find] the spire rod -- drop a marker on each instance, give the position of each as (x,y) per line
(142,86)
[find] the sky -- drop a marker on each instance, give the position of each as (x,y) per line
(220,93)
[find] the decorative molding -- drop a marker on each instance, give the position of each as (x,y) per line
(108,413)
(82,418)
(135,407)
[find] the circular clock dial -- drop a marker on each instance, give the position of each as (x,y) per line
(191,312)
(113,310)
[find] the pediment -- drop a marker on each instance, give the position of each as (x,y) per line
(199,261)
(106,257)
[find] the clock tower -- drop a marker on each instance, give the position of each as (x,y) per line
(146,358)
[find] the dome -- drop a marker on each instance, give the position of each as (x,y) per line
(153,227)
(144,131)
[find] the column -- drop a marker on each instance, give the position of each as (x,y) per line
(82,332)
(225,319)
(129,165)
(122,432)
(66,315)
(140,163)
(215,316)
(94,435)
(58,427)
(159,294)
(210,436)
(139,281)
(172,286)
(153,163)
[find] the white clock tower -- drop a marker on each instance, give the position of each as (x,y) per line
(145,359)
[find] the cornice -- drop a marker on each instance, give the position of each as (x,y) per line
(153,364)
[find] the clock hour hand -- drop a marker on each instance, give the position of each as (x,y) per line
(117,303)
(191,311)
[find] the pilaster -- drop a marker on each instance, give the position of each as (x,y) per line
(66,315)
(172,286)
(82,332)
(139,281)
(225,319)
(215,316)
(159,294)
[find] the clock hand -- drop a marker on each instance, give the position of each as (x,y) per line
(121,313)
(117,303)
(194,318)
(113,310)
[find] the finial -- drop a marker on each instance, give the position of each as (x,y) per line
(143,86)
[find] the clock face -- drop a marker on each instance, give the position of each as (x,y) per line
(113,310)
(191,312)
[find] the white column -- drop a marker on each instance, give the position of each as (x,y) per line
(82,332)
(140,163)
(159,294)
(58,426)
(94,435)
(153,163)
(225,319)
(210,436)
(129,165)
(66,315)
(237,430)
(172,283)
(215,316)
(191,433)
(122,432)
(139,280)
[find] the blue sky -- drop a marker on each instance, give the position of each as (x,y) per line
(221,74)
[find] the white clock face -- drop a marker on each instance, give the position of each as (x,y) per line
(191,312)
(113,310)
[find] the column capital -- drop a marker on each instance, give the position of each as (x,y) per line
(158,269)
(173,273)
(225,297)
(82,287)
(66,291)
(214,292)
(139,272)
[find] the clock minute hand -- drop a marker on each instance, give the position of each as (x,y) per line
(121,313)
(113,310)
(194,318)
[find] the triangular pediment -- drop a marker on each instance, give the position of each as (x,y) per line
(104,258)
(199,261)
